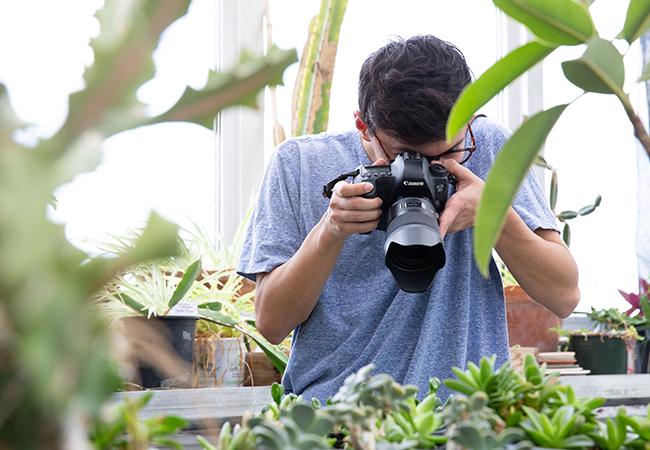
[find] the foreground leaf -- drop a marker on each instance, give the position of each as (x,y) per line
(637,20)
(504,179)
(563,22)
(493,81)
(238,87)
(600,69)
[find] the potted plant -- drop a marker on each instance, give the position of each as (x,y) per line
(221,349)
(227,314)
(607,348)
(150,301)
(639,316)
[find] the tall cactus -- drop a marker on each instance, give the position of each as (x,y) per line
(311,95)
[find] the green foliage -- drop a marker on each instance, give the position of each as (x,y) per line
(474,425)
(121,428)
(562,22)
(558,431)
(612,435)
(57,361)
(564,216)
(375,412)
(504,179)
(302,427)
(493,80)
(637,20)
(418,424)
(600,69)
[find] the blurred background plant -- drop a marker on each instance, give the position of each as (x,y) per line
(57,368)
(564,216)
(119,427)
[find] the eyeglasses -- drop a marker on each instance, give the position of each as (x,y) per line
(462,155)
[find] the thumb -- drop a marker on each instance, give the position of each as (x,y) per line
(447,218)
(380,162)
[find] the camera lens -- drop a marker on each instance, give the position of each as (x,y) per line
(414,257)
(413,248)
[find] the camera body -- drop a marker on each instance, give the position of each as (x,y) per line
(410,177)
(414,193)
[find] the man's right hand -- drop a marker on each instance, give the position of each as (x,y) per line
(348,212)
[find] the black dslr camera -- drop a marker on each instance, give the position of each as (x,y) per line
(414,193)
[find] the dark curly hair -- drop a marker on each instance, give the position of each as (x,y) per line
(407,88)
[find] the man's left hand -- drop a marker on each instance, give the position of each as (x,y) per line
(460,210)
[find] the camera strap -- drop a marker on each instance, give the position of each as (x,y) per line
(327,189)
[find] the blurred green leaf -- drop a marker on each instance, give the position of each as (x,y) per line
(9,122)
(158,240)
(191,273)
(238,87)
(131,303)
(122,63)
(567,215)
(553,194)
(563,22)
(637,20)
(493,81)
(600,69)
(504,179)
(218,317)
(566,234)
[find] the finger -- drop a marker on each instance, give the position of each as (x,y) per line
(460,172)
(380,162)
(347,216)
(345,190)
(357,203)
(447,218)
(359,227)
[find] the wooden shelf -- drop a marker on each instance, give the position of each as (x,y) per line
(195,405)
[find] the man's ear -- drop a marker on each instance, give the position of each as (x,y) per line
(361,126)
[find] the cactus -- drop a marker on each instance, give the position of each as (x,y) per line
(311,95)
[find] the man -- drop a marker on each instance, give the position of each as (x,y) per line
(316,273)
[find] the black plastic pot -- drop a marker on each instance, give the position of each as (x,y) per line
(600,354)
(642,351)
(178,332)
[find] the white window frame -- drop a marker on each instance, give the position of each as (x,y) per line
(239,131)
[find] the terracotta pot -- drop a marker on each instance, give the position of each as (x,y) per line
(259,370)
(528,321)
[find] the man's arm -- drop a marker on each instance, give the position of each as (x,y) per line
(287,295)
(539,261)
(541,264)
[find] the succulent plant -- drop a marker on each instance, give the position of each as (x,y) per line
(558,431)
(301,427)
(473,424)
(612,434)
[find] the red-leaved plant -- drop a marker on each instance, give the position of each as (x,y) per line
(639,302)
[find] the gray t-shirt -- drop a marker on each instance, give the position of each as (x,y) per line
(362,316)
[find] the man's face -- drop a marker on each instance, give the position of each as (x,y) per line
(382,145)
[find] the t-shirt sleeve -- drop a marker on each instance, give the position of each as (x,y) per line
(530,202)
(273,234)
